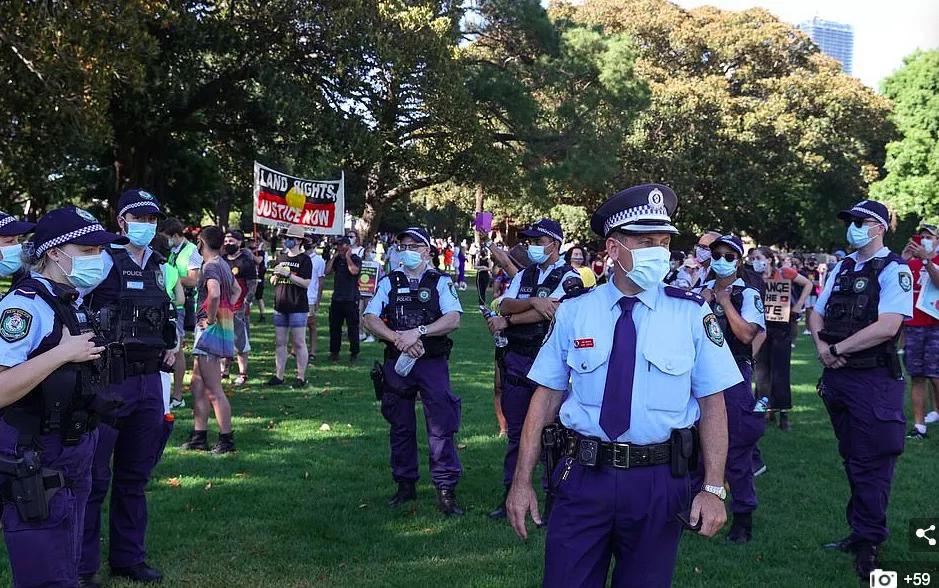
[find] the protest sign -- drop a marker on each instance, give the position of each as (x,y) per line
(368,278)
(777,300)
(282,201)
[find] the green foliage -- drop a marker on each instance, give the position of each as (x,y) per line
(912,181)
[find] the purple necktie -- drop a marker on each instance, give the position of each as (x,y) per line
(618,393)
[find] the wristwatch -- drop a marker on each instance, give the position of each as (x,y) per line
(718,491)
(422,330)
(832,349)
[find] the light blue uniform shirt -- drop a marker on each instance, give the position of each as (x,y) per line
(679,359)
(557,294)
(108,263)
(25,320)
(751,310)
(446,293)
(896,287)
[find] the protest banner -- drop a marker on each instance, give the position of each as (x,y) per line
(777,300)
(368,278)
(282,201)
(928,300)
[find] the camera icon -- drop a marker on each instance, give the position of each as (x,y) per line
(883,579)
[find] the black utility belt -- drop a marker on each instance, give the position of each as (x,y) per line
(591,452)
(150,365)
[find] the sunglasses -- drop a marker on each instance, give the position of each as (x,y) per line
(859,222)
(731,257)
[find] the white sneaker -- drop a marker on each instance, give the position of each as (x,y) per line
(369,339)
(174,403)
(932,417)
(806,332)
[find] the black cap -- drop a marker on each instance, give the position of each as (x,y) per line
(647,208)
(71,225)
(732,241)
(139,203)
(544,227)
(10,226)
(235,234)
(867,209)
(416,233)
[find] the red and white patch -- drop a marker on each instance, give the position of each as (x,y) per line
(583,343)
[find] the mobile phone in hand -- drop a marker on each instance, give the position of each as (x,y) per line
(685,519)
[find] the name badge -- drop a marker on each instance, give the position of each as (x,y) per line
(583,343)
(404,290)
(135,285)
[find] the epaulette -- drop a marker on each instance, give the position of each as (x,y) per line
(25,293)
(684,295)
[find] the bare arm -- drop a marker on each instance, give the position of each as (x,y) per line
(213,295)
(706,506)
(329,264)
(885,329)
(933,271)
(302,282)
(353,268)
(807,287)
(522,499)
(758,342)
(179,295)
(191,280)
(235,292)
(744,331)
(378,327)
(515,306)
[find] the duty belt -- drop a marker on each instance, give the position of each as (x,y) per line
(589,451)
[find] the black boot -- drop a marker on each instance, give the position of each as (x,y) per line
(499,511)
(196,442)
(406,492)
(848,545)
(784,421)
(865,559)
(139,573)
(446,502)
(741,531)
(226,443)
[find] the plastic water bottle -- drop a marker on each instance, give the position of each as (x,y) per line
(498,338)
(762,405)
(404,364)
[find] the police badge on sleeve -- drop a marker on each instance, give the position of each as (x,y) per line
(713,330)
(758,303)
(906,281)
(14,324)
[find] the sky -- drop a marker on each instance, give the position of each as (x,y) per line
(884,32)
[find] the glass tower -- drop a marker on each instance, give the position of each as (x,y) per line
(835,39)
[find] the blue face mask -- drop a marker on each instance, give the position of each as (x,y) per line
(723,268)
(858,236)
(87,270)
(11,259)
(650,265)
(411,259)
(290,243)
(140,234)
(537,254)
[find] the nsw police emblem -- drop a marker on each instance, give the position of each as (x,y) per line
(713,330)
(542,292)
(423,294)
(14,324)
(758,303)
(160,280)
(146,195)
(656,198)
(86,215)
(860,285)
(906,281)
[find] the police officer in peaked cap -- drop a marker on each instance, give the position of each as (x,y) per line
(52,375)
(12,231)
(855,326)
(630,367)
(136,311)
(413,311)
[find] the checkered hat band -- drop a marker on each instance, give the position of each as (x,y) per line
(5,221)
(417,236)
(865,212)
(68,237)
(137,205)
(637,228)
(637,213)
(551,234)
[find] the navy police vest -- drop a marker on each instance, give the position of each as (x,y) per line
(408,309)
(527,339)
(134,308)
(741,351)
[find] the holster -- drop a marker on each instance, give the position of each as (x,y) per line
(683,451)
(553,440)
(378,380)
(31,486)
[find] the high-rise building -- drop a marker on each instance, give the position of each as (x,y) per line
(835,39)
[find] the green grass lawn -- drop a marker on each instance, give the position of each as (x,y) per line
(302,502)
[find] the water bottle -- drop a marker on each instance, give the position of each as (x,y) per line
(498,338)
(404,364)
(762,405)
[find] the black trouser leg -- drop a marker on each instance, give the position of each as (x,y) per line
(335,327)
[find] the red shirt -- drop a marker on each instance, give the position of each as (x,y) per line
(920,275)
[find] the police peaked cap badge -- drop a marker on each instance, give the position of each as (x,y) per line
(647,208)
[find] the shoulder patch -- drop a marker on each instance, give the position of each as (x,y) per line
(758,303)
(713,330)
(452,289)
(15,324)
(906,281)
(684,295)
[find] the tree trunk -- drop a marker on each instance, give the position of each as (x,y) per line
(223,209)
(375,189)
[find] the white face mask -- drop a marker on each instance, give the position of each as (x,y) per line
(928,245)
(650,266)
(702,254)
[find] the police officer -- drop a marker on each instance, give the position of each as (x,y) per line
(50,377)
(11,230)
(136,311)
(739,311)
(644,363)
(527,308)
(413,311)
(855,326)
